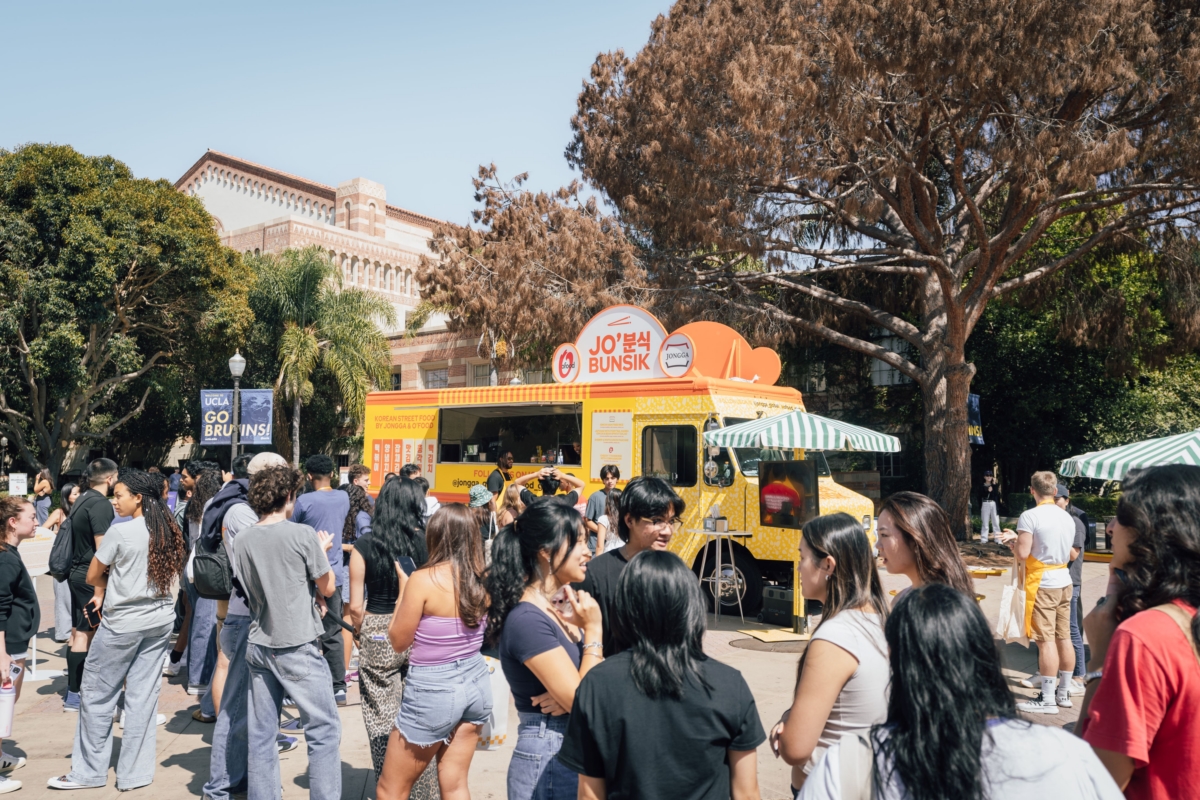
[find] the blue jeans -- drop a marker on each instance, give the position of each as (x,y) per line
(300,673)
(134,661)
(1077,629)
(202,639)
(227,762)
(535,772)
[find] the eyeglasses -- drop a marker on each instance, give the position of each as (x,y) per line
(662,522)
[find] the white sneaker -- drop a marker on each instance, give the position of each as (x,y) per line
(196,691)
(8,761)
(1038,705)
(160,719)
(1062,698)
(1075,688)
(8,784)
(62,782)
(171,670)
(1034,681)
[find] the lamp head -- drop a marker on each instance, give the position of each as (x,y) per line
(237,365)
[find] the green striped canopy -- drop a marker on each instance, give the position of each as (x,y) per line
(1111,465)
(807,431)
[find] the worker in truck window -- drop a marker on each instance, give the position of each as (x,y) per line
(551,480)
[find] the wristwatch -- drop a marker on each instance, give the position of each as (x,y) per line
(1096,675)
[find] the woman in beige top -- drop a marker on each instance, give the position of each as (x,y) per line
(842,678)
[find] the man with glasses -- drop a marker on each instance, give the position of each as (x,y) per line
(650,512)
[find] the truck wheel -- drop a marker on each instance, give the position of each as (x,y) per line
(742,577)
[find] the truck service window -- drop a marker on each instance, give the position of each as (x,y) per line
(534,433)
(669,452)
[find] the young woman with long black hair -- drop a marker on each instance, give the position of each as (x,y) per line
(952,729)
(357,523)
(1143,701)
(43,487)
(199,632)
(441,615)
(395,532)
(549,637)
(629,712)
(133,573)
(915,540)
(842,678)
(20,615)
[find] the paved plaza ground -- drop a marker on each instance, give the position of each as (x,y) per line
(44,734)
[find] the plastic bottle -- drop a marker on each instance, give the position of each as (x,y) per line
(8,701)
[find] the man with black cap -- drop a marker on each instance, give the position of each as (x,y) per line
(989,494)
(1062,499)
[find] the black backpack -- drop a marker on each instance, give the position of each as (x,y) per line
(211,571)
(62,552)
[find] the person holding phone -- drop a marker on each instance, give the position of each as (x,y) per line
(20,615)
(441,615)
(133,572)
(549,637)
(394,536)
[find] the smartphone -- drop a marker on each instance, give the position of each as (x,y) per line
(562,604)
(407,564)
(14,670)
(93,614)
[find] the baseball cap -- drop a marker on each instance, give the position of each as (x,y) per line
(1063,491)
(987,472)
(264,460)
(479,496)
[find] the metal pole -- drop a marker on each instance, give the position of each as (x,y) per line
(234,437)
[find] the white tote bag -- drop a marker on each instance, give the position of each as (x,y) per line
(1011,624)
(495,730)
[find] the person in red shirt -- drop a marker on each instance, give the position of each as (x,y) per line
(1141,713)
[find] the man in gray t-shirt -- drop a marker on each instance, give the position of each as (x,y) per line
(609,475)
(276,565)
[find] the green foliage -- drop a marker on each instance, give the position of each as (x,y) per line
(325,339)
(115,292)
(1098,508)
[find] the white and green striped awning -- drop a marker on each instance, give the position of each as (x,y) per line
(1111,465)
(807,431)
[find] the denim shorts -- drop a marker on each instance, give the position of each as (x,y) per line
(436,699)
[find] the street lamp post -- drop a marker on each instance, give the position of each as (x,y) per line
(3,455)
(237,365)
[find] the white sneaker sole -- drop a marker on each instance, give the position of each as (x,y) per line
(9,785)
(1038,708)
(1034,681)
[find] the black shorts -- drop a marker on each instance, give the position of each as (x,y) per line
(81,594)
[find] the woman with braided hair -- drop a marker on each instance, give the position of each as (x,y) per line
(133,573)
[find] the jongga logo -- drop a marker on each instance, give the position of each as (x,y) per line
(676,355)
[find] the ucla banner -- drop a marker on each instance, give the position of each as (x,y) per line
(254,419)
(974,420)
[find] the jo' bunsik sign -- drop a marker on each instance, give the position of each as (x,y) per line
(254,416)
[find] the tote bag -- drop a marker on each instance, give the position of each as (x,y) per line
(1010,626)
(495,730)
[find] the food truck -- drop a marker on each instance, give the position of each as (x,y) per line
(629,394)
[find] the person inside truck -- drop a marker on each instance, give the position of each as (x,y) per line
(550,480)
(573,454)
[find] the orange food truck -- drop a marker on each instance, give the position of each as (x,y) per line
(632,395)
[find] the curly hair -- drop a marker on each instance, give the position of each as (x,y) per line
(168,547)
(1162,504)
(208,483)
(270,489)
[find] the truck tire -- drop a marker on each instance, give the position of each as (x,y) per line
(749,580)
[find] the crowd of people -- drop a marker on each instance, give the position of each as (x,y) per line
(600,644)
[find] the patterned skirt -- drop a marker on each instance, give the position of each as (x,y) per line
(381,686)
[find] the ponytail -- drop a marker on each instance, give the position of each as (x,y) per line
(167,549)
(545,526)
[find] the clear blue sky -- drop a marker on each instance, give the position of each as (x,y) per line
(414,95)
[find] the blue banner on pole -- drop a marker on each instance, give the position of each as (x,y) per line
(254,418)
(974,420)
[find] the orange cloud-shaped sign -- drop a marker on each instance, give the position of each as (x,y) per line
(722,352)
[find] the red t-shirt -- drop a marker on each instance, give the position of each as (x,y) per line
(1147,706)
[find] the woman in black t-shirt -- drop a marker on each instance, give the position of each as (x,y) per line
(20,615)
(661,719)
(395,532)
(549,637)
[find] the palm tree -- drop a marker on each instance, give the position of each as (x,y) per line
(323,323)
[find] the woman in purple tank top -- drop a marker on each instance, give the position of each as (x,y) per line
(441,613)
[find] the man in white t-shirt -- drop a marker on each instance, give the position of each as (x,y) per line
(1042,542)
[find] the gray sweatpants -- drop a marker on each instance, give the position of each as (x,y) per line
(133,661)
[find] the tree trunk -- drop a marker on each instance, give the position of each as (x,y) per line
(947,449)
(296,431)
